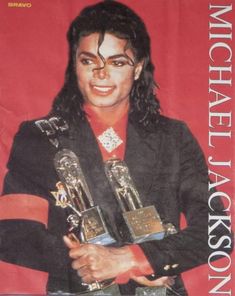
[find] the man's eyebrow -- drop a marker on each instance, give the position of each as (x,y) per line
(116,56)
(91,55)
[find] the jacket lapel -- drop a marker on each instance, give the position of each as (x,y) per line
(86,147)
(142,155)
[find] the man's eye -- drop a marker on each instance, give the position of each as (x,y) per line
(118,63)
(86,61)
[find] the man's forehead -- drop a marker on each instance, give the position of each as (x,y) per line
(110,46)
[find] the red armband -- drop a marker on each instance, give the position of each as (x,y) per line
(24,206)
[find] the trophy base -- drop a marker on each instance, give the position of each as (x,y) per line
(151,291)
(104,239)
(95,231)
(144,224)
(156,236)
(107,288)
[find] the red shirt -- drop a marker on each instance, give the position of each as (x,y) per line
(111,138)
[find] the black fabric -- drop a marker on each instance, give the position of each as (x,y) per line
(169,171)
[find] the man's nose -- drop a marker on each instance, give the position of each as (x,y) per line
(101,73)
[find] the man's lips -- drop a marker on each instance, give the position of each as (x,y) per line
(102,90)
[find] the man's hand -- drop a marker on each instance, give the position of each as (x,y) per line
(98,263)
(166,281)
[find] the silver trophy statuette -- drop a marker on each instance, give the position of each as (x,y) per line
(144,223)
(86,217)
(86,223)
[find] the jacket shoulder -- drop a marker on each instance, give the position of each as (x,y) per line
(172,127)
(50,127)
(168,123)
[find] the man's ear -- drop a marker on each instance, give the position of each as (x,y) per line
(138,69)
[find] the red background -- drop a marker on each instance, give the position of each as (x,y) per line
(34,57)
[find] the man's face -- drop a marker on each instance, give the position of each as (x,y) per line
(108,83)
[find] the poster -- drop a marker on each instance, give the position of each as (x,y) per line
(192,50)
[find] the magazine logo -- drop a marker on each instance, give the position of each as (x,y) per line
(19,4)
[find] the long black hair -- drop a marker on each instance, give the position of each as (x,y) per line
(119,20)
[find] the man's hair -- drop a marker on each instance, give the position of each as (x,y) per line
(117,19)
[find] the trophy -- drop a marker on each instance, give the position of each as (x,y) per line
(86,218)
(86,223)
(144,223)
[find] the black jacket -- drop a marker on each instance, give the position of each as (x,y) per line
(168,168)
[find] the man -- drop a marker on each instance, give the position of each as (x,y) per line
(107,109)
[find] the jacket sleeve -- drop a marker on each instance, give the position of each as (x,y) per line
(29,162)
(26,239)
(189,247)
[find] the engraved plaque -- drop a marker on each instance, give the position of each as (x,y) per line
(144,224)
(95,230)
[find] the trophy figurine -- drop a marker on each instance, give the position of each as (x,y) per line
(75,194)
(144,223)
(86,223)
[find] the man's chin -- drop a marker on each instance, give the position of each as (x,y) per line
(104,104)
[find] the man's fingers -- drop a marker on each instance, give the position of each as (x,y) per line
(142,280)
(80,263)
(71,244)
(162,281)
(88,275)
(89,250)
(170,281)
